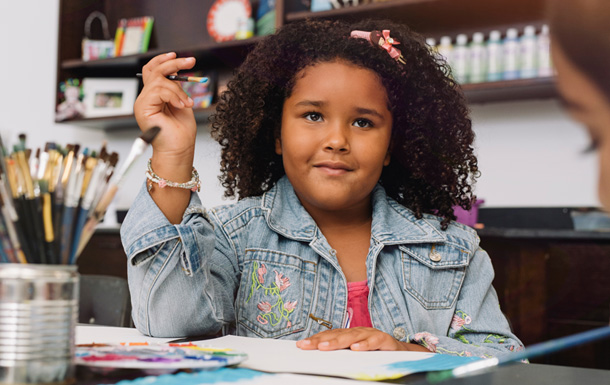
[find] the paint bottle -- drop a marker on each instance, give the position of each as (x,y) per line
(431,42)
(528,67)
(477,60)
(460,59)
(545,66)
(494,57)
(445,49)
(510,55)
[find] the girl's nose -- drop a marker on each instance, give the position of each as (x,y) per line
(337,138)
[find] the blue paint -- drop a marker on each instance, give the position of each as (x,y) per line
(205,377)
(436,362)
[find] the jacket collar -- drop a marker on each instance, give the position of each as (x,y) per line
(392,223)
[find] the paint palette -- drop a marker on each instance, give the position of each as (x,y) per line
(157,357)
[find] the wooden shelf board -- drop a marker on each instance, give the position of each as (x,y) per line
(204,50)
(128,121)
(510,90)
(438,16)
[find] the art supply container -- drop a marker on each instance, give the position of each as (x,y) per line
(471,217)
(38,316)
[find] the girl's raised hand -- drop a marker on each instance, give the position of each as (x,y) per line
(163,103)
(359,338)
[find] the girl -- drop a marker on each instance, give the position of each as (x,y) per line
(347,145)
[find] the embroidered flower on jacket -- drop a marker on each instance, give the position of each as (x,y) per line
(427,340)
(457,322)
(460,319)
(275,310)
(261,271)
(264,307)
(282,282)
(290,305)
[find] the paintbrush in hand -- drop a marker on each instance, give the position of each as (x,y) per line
(138,148)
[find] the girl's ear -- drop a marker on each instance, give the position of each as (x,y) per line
(388,155)
(278,146)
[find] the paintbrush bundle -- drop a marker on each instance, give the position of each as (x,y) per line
(52,201)
(46,199)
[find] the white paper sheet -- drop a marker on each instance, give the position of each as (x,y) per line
(88,334)
(281,356)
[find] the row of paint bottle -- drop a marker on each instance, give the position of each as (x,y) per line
(508,58)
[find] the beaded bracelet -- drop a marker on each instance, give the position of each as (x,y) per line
(194,184)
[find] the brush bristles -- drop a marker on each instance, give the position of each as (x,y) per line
(149,135)
(114,159)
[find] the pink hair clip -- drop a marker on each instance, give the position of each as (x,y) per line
(383,40)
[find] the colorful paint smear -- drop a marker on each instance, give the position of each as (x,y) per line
(145,356)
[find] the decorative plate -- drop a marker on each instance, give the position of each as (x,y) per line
(224,17)
(158,357)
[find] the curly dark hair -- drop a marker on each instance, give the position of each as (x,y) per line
(433,164)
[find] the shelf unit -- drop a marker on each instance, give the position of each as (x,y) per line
(187,35)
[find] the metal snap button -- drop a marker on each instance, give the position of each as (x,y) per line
(399,333)
(435,256)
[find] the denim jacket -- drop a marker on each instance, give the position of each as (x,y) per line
(261,266)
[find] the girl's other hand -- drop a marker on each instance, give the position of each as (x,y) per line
(359,338)
(163,103)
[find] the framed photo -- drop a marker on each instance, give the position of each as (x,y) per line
(109,96)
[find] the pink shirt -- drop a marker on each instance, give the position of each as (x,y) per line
(357,305)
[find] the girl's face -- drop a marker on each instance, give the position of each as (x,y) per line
(588,105)
(335,136)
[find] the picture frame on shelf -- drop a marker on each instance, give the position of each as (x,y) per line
(105,97)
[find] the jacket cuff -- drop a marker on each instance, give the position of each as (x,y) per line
(146,226)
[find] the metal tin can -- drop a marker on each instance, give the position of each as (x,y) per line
(38,316)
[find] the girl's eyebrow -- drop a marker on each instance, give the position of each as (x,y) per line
(359,110)
(314,103)
(368,111)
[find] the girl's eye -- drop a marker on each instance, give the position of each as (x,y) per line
(363,123)
(313,116)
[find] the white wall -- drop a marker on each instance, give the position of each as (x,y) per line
(28,42)
(207,163)
(529,152)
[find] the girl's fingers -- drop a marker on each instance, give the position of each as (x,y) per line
(375,341)
(355,339)
(166,64)
(168,96)
(153,90)
(155,62)
(173,66)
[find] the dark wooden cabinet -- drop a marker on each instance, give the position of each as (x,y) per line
(104,255)
(553,283)
(180,26)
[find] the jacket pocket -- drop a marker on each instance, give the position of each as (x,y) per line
(275,293)
(433,274)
